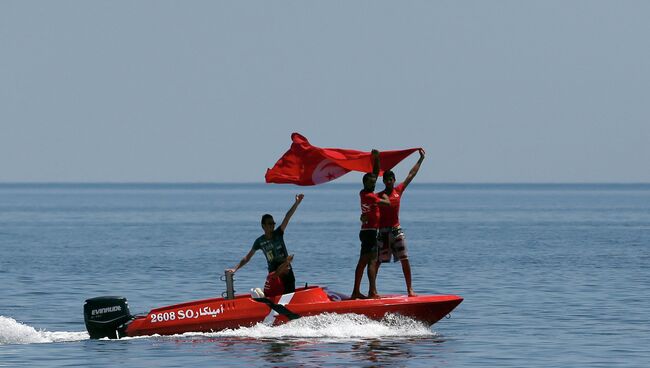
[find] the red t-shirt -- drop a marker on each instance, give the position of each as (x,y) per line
(370,208)
(273,285)
(389,215)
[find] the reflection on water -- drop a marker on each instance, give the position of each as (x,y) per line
(377,352)
(389,352)
(277,352)
(286,351)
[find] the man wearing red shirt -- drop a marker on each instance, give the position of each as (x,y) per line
(368,234)
(274,284)
(390,232)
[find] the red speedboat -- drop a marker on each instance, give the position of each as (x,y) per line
(110,317)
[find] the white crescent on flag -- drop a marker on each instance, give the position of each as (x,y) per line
(327,170)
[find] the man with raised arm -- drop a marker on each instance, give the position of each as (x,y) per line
(275,251)
(392,239)
(368,234)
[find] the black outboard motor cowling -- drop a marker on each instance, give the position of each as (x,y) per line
(106,316)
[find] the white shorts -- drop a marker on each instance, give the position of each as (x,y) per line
(392,243)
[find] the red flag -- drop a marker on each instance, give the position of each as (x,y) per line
(304,164)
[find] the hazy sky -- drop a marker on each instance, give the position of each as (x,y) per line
(210,91)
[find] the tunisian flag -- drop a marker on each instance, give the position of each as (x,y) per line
(304,164)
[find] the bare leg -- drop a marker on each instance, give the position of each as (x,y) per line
(358,274)
(372,279)
(406,268)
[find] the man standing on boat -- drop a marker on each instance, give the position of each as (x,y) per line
(368,234)
(392,239)
(272,244)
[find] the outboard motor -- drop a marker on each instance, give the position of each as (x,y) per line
(106,316)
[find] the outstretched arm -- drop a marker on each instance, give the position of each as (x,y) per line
(375,162)
(243,261)
(415,169)
(293,208)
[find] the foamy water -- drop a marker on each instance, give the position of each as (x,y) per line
(325,326)
(14,332)
(348,326)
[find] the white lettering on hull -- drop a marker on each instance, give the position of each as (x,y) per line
(189,313)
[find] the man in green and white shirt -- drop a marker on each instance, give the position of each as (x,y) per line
(272,244)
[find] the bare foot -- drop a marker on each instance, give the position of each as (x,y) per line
(358,296)
(412,293)
(374,296)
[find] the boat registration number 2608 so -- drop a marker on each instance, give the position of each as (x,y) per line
(185,314)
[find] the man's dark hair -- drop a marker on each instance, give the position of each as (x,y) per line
(265,217)
(389,174)
(367,176)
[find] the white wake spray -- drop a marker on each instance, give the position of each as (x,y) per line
(14,332)
(336,326)
(328,327)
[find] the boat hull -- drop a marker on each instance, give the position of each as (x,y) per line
(217,314)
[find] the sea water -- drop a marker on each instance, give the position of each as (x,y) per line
(552,275)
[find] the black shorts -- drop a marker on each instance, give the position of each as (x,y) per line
(289,281)
(368,239)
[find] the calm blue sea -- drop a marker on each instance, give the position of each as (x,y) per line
(552,275)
